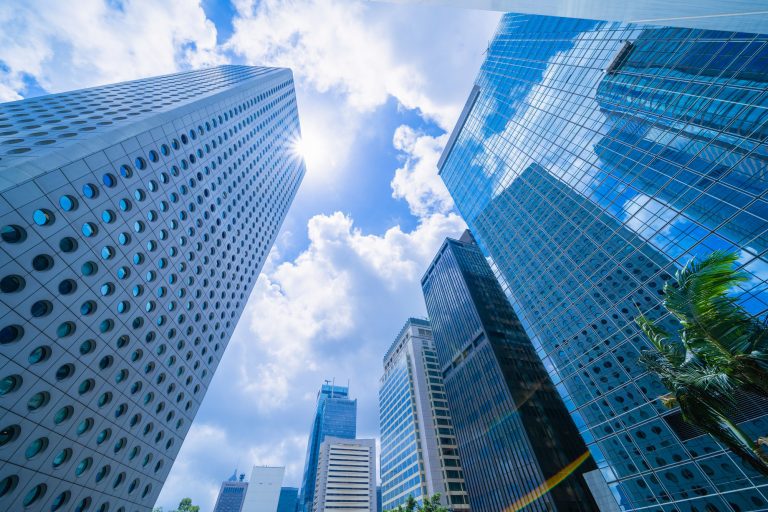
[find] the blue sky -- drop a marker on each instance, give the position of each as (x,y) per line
(378,87)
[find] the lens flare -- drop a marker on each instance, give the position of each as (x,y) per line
(547,486)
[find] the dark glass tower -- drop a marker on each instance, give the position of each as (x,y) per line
(336,416)
(134,221)
(514,432)
(289,497)
(592,160)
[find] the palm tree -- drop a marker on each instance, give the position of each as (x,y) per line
(430,504)
(719,348)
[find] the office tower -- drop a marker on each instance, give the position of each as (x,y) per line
(514,434)
(264,489)
(134,221)
(289,498)
(591,161)
(336,416)
(419,455)
(231,494)
(379,506)
(346,476)
(733,15)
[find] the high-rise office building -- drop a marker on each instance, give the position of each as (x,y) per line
(419,456)
(346,476)
(591,161)
(134,221)
(264,489)
(733,15)
(289,498)
(231,494)
(514,433)
(336,416)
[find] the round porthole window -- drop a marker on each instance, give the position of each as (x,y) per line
(43,217)
(13,234)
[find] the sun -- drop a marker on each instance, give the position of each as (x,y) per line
(310,149)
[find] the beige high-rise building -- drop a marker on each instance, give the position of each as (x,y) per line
(346,476)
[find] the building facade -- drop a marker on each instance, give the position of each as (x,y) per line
(592,160)
(335,416)
(264,489)
(346,476)
(289,498)
(514,433)
(231,494)
(419,456)
(134,221)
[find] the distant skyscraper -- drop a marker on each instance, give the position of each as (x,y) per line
(231,495)
(514,433)
(733,15)
(336,416)
(419,456)
(264,489)
(346,476)
(134,221)
(591,161)
(379,506)
(289,498)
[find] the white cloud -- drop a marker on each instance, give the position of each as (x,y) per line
(325,294)
(417,180)
(649,217)
(98,42)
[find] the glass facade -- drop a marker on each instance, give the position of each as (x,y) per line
(514,432)
(231,497)
(335,416)
(134,221)
(592,161)
(289,497)
(419,455)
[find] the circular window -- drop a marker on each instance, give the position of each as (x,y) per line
(38,400)
(103,435)
(67,287)
(12,284)
(124,238)
(124,204)
(41,308)
(84,505)
(68,244)
(9,434)
(60,500)
(68,203)
(11,333)
(42,262)
(13,234)
(88,307)
(90,191)
(62,457)
(106,362)
(83,466)
(138,226)
(86,386)
(119,480)
(104,399)
(8,484)
(43,217)
(90,229)
(153,156)
(123,306)
(35,447)
(87,347)
(140,163)
(107,252)
(109,180)
(107,289)
(126,171)
(39,354)
(120,444)
(63,414)
(84,426)
(65,329)
(108,216)
(10,383)
(103,472)
(65,371)
(89,268)
(34,494)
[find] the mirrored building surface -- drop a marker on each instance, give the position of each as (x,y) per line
(592,160)
(134,221)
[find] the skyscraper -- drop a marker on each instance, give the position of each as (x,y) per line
(515,436)
(289,498)
(346,476)
(336,416)
(264,489)
(231,494)
(134,219)
(419,455)
(591,161)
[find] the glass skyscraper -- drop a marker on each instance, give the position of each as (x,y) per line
(419,456)
(232,494)
(134,221)
(514,433)
(289,497)
(591,161)
(335,416)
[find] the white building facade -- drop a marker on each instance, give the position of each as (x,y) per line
(346,476)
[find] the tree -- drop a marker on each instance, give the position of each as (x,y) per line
(186,506)
(430,504)
(718,350)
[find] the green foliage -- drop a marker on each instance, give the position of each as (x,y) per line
(430,504)
(718,349)
(186,506)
